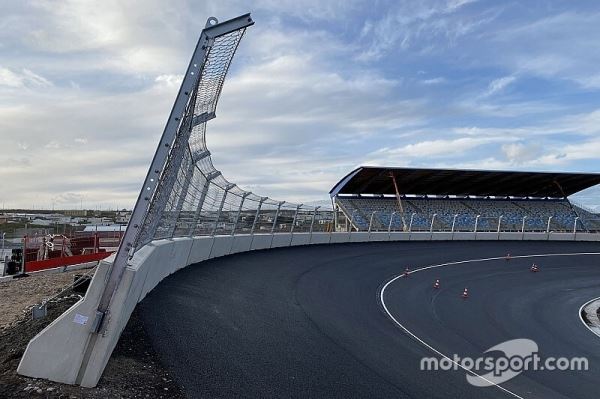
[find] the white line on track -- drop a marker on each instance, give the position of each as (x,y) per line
(431,348)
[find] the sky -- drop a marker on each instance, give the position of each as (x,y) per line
(316,89)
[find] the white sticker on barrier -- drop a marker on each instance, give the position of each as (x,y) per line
(80,319)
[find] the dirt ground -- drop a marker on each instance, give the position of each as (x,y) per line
(18,295)
(134,370)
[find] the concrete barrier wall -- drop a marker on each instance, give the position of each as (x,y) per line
(67,351)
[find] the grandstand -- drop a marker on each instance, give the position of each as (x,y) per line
(409,199)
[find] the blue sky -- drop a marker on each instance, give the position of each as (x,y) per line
(314,91)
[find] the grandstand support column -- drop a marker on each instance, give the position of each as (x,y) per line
(227,188)
(371,220)
(476,223)
(314,216)
(239,212)
(391,220)
(295,218)
(276,216)
(412,218)
(262,200)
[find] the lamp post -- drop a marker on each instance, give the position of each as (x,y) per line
(476,222)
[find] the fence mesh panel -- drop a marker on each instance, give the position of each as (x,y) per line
(192,197)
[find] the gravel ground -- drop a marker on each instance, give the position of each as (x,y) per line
(18,295)
(134,370)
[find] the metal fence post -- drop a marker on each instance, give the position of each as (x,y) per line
(295,218)
(227,188)
(523,228)
(453,223)
(412,217)
(371,221)
(499,224)
(432,222)
(276,216)
(312,222)
(391,220)
(187,181)
(548,226)
(239,212)
(205,188)
(476,223)
(263,199)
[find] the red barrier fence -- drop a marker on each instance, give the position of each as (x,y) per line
(34,266)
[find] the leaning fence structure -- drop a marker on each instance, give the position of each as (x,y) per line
(184,195)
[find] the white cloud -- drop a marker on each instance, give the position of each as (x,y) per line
(519,153)
(22,79)
(499,84)
(553,46)
(437,148)
(426,25)
(433,81)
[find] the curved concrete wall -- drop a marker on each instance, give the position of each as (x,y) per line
(67,351)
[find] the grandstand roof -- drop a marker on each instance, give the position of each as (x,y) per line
(378,180)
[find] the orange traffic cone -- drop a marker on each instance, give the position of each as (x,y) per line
(534,268)
(465,293)
(507,257)
(436,285)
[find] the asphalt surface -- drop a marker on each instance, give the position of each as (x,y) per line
(308,321)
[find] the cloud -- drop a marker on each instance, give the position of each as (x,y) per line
(433,81)
(426,25)
(499,84)
(24,78)
(550,46)
(437,148)
(519,153)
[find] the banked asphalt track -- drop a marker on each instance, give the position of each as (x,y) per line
(309,321)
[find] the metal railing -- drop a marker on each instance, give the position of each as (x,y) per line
(433,223)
